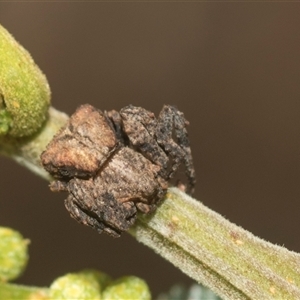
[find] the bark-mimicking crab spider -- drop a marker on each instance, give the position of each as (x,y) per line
(115,163)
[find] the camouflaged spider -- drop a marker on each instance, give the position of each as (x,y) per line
(114,164)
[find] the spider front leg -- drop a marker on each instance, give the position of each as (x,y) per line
(139,125)
(116,121)
(91,204)
(171,119)
(81,217)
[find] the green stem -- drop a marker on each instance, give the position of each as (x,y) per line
(27,151)
(17,292)
(228,259)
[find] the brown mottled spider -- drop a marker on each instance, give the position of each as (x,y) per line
(115,163)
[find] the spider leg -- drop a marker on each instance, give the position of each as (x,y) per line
(139,125)
(92,206)
(115,118)
(172,120)
(115,214)
(82,217)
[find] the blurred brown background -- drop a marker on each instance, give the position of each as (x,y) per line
(233,68)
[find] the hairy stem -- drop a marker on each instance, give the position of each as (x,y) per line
(27,151)
(230,260)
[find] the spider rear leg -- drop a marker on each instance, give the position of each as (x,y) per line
(172,120)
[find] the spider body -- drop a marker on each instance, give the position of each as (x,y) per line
(114,164)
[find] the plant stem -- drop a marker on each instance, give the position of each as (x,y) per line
(204,245)
(16,292)
(228,259)
(27,151)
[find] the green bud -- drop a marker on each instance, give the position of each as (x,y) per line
(102,278)
(13,254)
(24,90)
(75,286)
(129,287)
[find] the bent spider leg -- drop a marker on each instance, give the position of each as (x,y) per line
(58,186)
(170,118)
(181,133)
(80,216)
(114,213)
(139,125)
(145,208)
(115,118)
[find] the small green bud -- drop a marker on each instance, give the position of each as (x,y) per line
(24,90)
(129,287)
(75,286)
(102,278)
(13,254)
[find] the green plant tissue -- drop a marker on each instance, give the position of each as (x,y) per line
(24,90)
(13,254)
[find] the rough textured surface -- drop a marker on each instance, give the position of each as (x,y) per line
(114,164)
